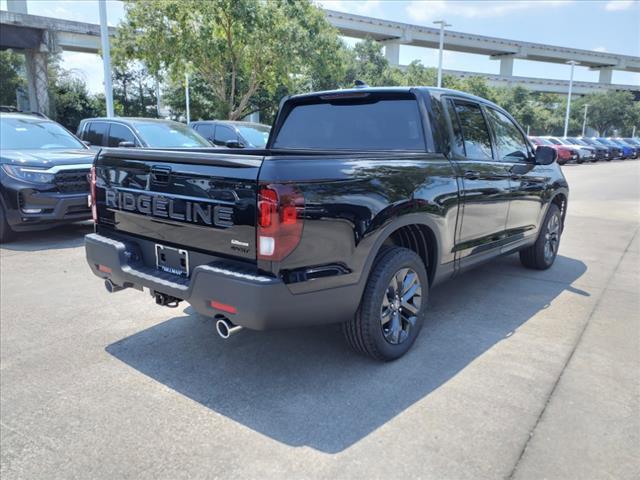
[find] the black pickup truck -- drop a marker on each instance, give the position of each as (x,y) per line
(362,200)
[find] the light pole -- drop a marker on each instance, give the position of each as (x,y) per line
(106,57)
(186,95)
(584,120)
(573,63)
(442,24)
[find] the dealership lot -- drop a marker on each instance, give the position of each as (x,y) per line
(517,373)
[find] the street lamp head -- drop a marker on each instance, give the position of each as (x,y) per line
(573,62)
(443,23)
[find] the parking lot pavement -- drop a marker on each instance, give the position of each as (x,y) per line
(517,373)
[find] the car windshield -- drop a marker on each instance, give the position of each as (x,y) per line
(555,141)
(632,141)
(256,135)
(542,141)
(35,133)
(169,134)
(604,141)
(577,141)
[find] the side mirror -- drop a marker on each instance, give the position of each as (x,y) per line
(127,144)
(234,144)
(545,155)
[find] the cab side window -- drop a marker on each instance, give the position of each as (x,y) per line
(510,142)
(206,130)
(224,134)
(475,134)
(119,133)
(94,133)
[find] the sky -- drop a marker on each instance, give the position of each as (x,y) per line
(608,26)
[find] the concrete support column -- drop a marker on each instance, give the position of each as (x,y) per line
(37,80)
(605,75)
(506,66)
(392,52)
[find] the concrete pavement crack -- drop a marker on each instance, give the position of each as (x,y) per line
(523,450)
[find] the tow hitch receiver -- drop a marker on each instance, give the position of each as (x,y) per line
(165,300)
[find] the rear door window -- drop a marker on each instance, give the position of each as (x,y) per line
(95,132)
(510,143)
(120,133)
(475,134)
(205,129)
(375,124)
(224,134)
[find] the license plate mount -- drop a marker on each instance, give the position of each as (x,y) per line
(172,260)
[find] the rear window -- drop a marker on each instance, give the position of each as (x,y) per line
(379,124)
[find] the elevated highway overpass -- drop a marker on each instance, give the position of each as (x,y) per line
(39,36)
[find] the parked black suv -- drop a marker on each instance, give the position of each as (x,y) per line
(362,200)
(138,132)
(43,175)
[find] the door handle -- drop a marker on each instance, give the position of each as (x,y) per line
(471,174)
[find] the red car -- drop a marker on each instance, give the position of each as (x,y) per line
(565,153)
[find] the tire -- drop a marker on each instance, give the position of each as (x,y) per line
(542,254)
(5,229)
(397,273)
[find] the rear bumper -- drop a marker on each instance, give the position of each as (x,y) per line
(261,302)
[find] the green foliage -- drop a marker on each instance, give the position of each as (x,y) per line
(234,47)
(71,102)
(10,80)
(134,91)
(609,113)
(366,62)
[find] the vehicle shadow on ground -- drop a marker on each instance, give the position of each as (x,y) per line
(65,236)
(304,387)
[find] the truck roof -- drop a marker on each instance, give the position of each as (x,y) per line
(426,89)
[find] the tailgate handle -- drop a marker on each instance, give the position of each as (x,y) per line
(160,175)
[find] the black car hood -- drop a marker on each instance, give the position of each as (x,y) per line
(47,158)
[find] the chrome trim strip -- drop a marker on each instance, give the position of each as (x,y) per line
(58,168)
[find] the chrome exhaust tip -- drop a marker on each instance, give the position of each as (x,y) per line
(225,328)
(112,287)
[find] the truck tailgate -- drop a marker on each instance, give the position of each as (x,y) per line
(192,200)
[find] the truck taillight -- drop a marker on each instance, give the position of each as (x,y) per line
(92,183)
(280,219)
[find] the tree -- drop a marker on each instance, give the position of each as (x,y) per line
(134,91)
(10,80)
(71,101)
(419,75)
(366,62)
(235,47)
(608,112)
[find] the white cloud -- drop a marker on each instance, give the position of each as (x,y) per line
(422,10)
(600,49)
(615,5)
